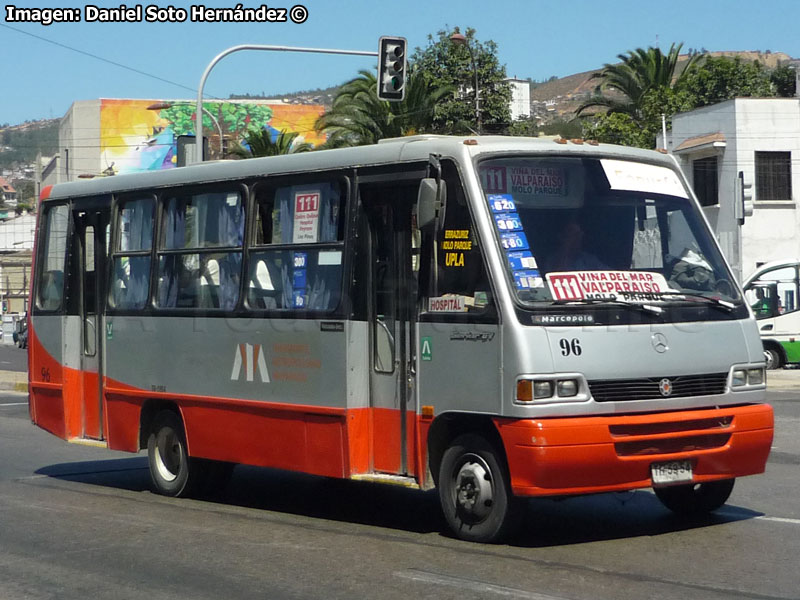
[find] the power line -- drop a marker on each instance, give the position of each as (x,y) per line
(100,58)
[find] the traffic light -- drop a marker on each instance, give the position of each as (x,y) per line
(392,62)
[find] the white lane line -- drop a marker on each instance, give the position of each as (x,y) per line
(780,520)
(14,404)
(472,585)
(738,516)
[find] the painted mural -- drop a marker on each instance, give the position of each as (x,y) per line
(142,135)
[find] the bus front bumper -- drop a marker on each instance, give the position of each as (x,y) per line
(582,455)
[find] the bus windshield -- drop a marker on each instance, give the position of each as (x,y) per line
(601,230)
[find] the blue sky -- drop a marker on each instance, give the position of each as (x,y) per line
(42,76)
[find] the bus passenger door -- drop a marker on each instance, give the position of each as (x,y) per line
(91,234)
(393,297)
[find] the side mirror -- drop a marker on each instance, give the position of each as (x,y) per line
(431,200)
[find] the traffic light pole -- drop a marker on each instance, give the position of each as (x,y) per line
(199,109)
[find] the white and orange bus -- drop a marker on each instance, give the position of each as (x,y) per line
(496,317)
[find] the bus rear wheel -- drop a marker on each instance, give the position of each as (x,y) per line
(695,498)
(172,471)
(474,491)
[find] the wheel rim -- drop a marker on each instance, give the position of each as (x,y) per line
(473,492)
(168,455)
(772,358)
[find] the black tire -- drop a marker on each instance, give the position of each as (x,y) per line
(697,498)
(773,357)
(172,471)
(475,492)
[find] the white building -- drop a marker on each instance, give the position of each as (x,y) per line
(520,98)
(760,138)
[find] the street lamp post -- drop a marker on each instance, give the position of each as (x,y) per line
(166,105)
(461,40)
(224,53)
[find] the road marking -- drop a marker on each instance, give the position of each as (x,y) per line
(738,515)
(15,404)
(472,585)
(780,520)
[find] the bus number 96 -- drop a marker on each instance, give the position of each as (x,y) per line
(570,347)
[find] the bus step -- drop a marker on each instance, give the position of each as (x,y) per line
(88,442)
(401,480)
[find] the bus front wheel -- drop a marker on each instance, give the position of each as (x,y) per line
(475,492)
(171,468)
(773,357)
(696,498)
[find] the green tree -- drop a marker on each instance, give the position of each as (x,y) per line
(567,129)
(260,143)
(721,78)
(784,80)
(358,117)
(639,72)
(640,131)
(524,126)
(444,63)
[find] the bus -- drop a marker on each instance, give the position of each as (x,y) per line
(772,292)
(497,318)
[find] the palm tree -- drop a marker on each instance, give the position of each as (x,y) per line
(358,117)
(639,72)
(260,143)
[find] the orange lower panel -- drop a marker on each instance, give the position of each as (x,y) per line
(47,409)
(297,438)
(579,455)
(320,441)
(386,440)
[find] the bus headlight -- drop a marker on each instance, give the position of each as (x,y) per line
(744,377)
(553,388)
(755,376)
(567,388)
(542,389)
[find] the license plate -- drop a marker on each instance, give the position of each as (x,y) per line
(672,472)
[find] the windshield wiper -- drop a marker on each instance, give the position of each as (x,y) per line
(651,308)
(716,302)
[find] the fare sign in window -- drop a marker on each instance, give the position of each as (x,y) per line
(306,217)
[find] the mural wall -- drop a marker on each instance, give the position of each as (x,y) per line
(142,135)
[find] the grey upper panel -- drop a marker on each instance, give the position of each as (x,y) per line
(397,150)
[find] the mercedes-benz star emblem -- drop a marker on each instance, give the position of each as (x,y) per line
(665,387)
(659,341)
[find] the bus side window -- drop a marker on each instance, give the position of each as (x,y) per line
(200,250)
(130,278)
(461,283)
(296,260)
(775,292)
(51,279)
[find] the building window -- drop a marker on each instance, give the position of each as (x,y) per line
(704,173)
(773,176)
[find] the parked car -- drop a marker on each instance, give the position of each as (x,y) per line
(21,338)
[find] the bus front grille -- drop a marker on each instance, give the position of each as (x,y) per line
(654,388)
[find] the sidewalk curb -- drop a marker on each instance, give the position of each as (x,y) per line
(12,386)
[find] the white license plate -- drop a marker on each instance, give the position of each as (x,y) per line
(674,471)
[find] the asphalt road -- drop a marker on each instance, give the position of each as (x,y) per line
(13,358)
(79,522)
